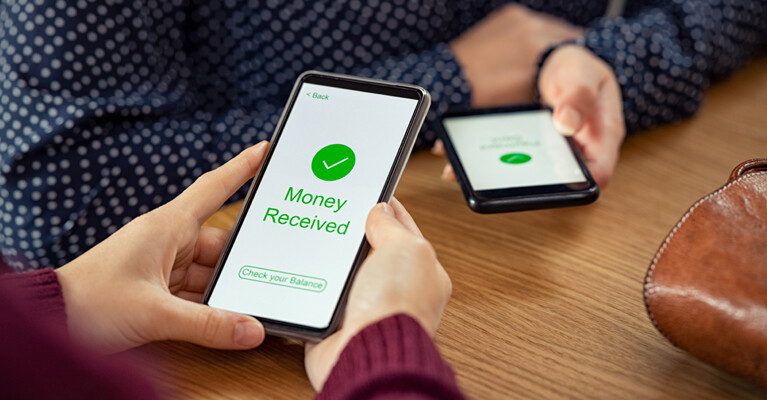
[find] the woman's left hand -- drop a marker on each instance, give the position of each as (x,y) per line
(145,282)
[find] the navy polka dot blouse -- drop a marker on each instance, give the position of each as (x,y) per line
(110,108)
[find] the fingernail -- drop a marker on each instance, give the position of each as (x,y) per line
(445,174)
(387,209)
(247,334)
(437,148)
(257,149)
(568,121)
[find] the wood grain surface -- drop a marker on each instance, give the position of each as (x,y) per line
(546,304)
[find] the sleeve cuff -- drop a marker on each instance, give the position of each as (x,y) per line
(392,358)
(40,290)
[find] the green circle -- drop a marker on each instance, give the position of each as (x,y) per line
(333,162)
(515,158)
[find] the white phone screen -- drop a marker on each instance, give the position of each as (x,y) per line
(510,150)
(297,244)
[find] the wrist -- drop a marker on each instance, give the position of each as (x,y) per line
(67,283)
(75,302)
(321,358)
(392,351)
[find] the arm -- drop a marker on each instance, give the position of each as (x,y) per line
(155,264)
(384,347)
(39,290)
(666,53)
(35,344)
(579,86)
(392,359)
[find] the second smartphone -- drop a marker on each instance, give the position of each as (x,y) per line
(339,149)
(513,159)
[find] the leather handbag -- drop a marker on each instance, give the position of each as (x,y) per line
(706,288)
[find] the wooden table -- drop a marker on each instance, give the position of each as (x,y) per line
(546,304)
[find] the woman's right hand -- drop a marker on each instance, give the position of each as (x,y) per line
(401,275)
(585,95)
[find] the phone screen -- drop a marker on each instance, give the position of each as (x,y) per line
(512,150)
(305,225)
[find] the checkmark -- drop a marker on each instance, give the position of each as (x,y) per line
(515,158)
(329,167)
(338,170)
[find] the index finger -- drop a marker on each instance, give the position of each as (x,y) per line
(209,192)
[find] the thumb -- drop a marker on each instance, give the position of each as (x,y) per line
(211,327)
(383,226)
(570,88)
(574,109)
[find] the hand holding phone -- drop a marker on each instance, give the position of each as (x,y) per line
(585,95)
(339,149)
(149,277)
(513,159)
(402,275)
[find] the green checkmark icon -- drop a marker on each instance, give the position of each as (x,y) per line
(333,162)
(515,158)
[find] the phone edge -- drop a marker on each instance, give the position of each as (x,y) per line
(527,203)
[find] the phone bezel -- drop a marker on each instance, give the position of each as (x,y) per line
(303,332)
(516,198)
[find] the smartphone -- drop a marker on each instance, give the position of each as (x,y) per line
(513,159)
(339,148)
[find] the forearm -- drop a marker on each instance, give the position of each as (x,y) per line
(391,359)
(33,347)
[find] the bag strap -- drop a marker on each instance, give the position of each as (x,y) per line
(747,167)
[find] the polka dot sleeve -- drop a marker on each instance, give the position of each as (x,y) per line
(665,55)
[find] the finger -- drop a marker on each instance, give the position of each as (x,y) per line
(403,216)
(197,278)
(448,174)
(603,135)
(600,164)
(382,226)
(209,192)
(210,244)
(190,296)
(438,148)
(209,327)
(570,86)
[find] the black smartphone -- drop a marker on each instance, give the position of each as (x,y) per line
(513,159)
(339,148)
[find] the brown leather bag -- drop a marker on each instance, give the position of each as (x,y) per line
(706,289)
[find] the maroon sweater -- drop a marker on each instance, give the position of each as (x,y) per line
(391,359)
